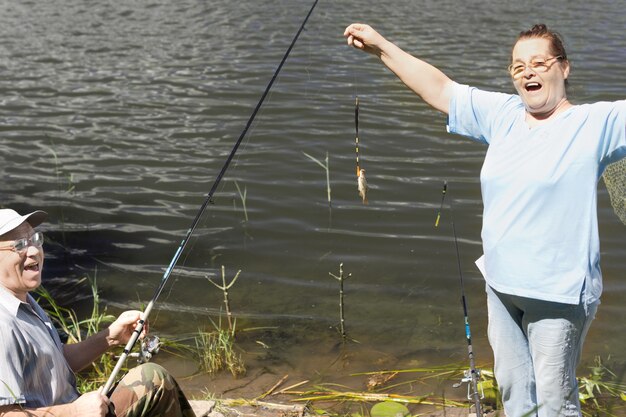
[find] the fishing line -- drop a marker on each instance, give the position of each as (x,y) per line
(362,186)
(474,374)
(356,138)
(209,199)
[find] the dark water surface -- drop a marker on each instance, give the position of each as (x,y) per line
(116,118)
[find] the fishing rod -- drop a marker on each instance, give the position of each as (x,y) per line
(443,197)
(209,199)
(474,373)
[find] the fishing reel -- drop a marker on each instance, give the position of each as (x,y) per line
(150,346)
(467,378)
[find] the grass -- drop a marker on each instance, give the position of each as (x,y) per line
(215,351)
(601,392)
(76,330)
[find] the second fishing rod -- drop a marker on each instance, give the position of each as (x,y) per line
(473,375)
(144,317)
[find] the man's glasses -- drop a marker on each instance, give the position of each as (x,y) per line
(538,65)
(21,245)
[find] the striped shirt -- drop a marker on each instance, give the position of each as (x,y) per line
(33,370)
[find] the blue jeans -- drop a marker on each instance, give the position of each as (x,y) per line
(537,346)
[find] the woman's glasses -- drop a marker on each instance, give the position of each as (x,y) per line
(539,65)
(21,245)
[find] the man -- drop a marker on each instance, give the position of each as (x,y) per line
(37,370)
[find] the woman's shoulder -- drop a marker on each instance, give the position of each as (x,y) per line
(602,107)
(496,102)
(605,118)
(473,89)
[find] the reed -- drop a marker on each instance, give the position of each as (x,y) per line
(216,351)
(341,278)
(224,287)
(326,167)
(68,178)
(326,394)
(65,184)
(242,196)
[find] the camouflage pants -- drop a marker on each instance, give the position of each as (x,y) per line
(148,390)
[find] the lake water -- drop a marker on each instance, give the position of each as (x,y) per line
(116,118)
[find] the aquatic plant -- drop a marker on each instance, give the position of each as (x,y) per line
(326,167)
(326,394)
(242,196)
(225,289)
(341,278)
(216,351)
(68,177)
(76,330)
(389,409)
(65,184)
(600,392)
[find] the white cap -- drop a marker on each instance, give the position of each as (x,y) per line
(10,219)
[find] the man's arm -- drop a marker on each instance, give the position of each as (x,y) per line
(91,404)
(82,354)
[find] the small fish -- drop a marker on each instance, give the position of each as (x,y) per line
(362,186)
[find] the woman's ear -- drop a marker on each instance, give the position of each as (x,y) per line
(566,68)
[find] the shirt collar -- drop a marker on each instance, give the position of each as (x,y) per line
(9,301)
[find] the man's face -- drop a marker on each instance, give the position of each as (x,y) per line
(20,272)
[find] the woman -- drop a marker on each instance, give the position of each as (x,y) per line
(540,233)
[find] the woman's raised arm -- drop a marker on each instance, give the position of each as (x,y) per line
(427,81)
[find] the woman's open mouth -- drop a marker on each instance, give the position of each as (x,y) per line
(532,86)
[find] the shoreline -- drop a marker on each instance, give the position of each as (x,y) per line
(230,408)
(267,394)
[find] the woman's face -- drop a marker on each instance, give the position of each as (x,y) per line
(541,92)
(20,272)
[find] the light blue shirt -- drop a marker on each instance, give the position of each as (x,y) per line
(539,190)
(33,370)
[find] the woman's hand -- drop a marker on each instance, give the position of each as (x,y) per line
(425,80)
(363,37)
